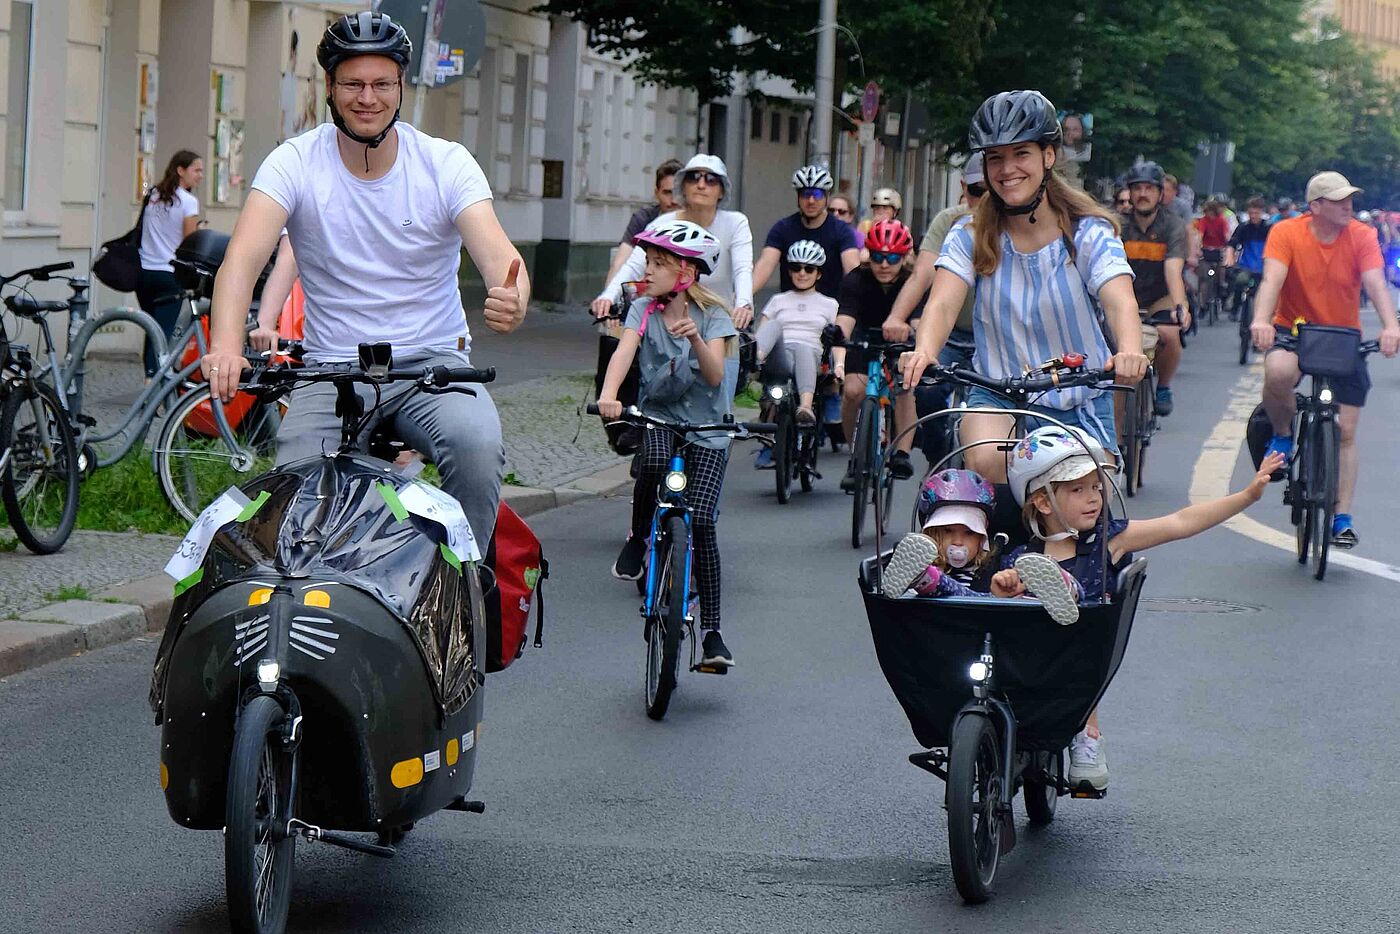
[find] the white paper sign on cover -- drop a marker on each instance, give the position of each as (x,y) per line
(436,506)
(190,555)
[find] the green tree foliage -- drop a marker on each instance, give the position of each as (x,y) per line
(1160,77)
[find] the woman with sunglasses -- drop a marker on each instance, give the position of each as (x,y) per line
(699,189)
(1123,202)
(867,294)
(841,207)
(1039,255)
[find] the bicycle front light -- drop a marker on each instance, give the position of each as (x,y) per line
(978,671)
(776,392)
(268,674)
(675,481)
(1325,396)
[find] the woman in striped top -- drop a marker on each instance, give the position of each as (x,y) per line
(1040,256)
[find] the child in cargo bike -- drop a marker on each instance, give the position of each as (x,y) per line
(1055,477)
(681,333)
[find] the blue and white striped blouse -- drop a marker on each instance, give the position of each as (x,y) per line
(1037,306)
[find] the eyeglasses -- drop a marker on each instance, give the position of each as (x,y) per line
(1125,202)
(816,194)
(841,212)
(976,190)
(709,178)
(889,259)
(356,88)
(803,267)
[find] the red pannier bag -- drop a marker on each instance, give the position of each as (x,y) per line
(518,569)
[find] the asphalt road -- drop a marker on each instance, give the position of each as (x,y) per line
(1250,734)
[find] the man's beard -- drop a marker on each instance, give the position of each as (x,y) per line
(1147,213)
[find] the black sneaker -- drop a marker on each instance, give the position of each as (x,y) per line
(901,467)
(714,652)
(628,566)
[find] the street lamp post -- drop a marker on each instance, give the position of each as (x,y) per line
(825,83)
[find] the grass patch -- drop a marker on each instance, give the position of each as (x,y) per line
(125,497)
(74,592)
(748,397)
(511,479)
(8,544)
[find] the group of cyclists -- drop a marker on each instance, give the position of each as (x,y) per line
(1029,268)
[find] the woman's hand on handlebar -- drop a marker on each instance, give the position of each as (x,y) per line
(742,316)
(609,408)
(601,308)
(1128,368)
(223,370)
(912,365)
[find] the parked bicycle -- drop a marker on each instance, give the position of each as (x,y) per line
(668,608)
(1324,353)
(40,468)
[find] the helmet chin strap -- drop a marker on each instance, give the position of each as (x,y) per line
(1029,208)
(1070,531)
(370,142)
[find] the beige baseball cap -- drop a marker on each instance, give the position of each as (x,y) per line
(1330,186)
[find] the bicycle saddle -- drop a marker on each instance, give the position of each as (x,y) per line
(27,305)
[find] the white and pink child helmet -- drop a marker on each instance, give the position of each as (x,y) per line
(683,239)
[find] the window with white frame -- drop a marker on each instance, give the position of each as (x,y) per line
(17,104)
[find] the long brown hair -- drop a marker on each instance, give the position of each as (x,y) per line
(1065,203)
(165,188)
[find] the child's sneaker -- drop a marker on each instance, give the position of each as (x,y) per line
(714,652)
(911,558)
(1047,582)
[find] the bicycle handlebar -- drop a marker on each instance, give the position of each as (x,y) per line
(1017,385)
(739,429)
(1365,348)
(282,375)
(39,273)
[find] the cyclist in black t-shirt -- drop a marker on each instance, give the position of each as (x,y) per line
(864,301)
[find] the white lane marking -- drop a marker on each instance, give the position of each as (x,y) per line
(1210,478)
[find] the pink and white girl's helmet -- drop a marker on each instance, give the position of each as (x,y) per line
(684,239)
(957,497)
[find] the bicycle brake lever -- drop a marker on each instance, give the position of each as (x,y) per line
(444,390)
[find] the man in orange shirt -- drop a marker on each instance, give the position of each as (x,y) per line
(1314,268)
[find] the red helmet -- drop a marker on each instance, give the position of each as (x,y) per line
(889,237)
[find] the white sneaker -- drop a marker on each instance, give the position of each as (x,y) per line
(1088,762)
(910,560)
(1046,581)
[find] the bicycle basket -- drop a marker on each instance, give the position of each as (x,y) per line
(1324,350)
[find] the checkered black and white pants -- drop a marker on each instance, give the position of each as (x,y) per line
(704,471)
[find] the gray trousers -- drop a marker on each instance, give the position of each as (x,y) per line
(806,359)
(461,434)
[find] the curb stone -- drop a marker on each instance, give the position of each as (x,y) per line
(132,610)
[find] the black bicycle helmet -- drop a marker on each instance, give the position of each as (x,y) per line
(364,33)
(1149,173)
(1014,117)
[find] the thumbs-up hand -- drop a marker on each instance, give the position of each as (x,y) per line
(503,310)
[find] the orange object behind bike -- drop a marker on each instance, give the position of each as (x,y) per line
(289,326)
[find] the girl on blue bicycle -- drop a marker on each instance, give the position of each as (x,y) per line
(681,334)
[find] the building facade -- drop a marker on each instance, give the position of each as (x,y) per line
(1376,23)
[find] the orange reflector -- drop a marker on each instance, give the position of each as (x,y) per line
(407,773)
(453,750)
(164,777)
(317,598)
(259,596)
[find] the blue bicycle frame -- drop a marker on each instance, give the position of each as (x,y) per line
(667,504)
(875,388)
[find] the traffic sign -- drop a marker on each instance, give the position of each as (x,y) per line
(870,102)
(461,36)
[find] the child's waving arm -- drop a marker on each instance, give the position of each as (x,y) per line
(1194,519)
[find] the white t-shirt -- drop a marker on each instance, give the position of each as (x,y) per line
(378,259)
(164,227)
(802,316)
(732,278)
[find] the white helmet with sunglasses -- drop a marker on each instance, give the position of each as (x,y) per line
(808,252)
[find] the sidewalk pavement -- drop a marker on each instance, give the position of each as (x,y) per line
(106,587)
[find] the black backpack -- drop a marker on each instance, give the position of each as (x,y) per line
(118,262)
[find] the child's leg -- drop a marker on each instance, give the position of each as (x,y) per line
(769,331)
(655,460)
(911,567)
(704,468)
(1048,582)
(805,360)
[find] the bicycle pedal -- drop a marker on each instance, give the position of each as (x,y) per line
(711,669)
(86,420)
(1086,792)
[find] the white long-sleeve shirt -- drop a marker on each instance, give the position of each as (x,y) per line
(732,278)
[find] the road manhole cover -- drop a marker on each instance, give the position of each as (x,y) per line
(1195,605)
